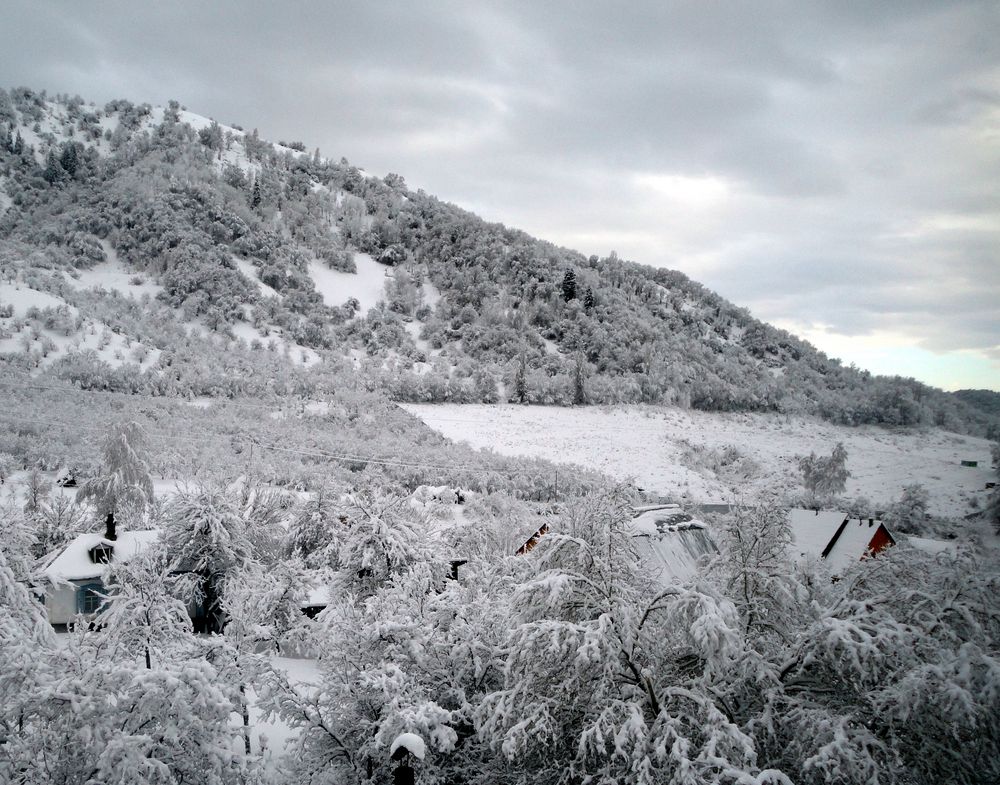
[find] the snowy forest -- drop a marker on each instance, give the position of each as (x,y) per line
(276,575)
(565,662)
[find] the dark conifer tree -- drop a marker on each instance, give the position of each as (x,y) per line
(68,159)
(521,381)
(255,194)
(588,299)
(579,378)
(569,285)
(53,172)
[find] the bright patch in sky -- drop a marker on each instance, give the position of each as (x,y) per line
(895,354)
(691,191)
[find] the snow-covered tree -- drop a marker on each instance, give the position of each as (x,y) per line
(313,527)
(8,463)
(95,719)
(263,605)
(57,521)
(753,566)
(825,477)
(205,534)
(36,491)
(19,543)
(415,657)
(607,679)
(909,513)
(124,487)
(380,537)
(144,617)
(895,680)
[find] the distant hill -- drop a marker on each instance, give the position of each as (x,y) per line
(314,260)
(987,401)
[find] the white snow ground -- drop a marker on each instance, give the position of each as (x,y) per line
(647,444)
(367,284)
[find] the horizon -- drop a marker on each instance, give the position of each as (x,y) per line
(835,174)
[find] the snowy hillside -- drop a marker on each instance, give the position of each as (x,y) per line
(310,257)
(707,457)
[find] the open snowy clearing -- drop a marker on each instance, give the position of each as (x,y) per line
(367,285)
(112,275)
(654,446)
(24,298)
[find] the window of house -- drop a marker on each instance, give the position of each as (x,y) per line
(101,554)
(89,598)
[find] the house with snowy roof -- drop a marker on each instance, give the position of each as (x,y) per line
(837,539)
(671,543)
(74,576)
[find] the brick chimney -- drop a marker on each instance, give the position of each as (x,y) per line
(109,528)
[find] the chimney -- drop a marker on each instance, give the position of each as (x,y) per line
(871,522)
(109,528)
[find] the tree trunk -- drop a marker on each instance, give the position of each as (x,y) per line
(245,711)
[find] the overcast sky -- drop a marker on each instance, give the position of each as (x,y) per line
(833,167)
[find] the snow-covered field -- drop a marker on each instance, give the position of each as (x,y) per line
(653,446)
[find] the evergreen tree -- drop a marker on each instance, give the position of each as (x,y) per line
(255,194)
(53,171)
(68,159)
(579,379)
(569,285)
(521,381)
(588,299)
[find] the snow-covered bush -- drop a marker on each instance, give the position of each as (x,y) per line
(825,477)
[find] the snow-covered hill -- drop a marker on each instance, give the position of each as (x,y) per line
(707,456)
(310,256)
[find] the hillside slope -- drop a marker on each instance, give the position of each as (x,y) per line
(207,228)
(715,457)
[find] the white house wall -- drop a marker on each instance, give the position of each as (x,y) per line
(60,603)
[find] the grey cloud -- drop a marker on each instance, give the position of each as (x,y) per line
(857,141)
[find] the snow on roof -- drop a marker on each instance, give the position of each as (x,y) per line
(670,542)
(663,519)
(812,530)
(673,557)
(831,535)
(317,596)
(74,562)
(650,507)
(853,542)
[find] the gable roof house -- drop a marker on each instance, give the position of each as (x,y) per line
(670,542)
(73,577)
(840,541)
